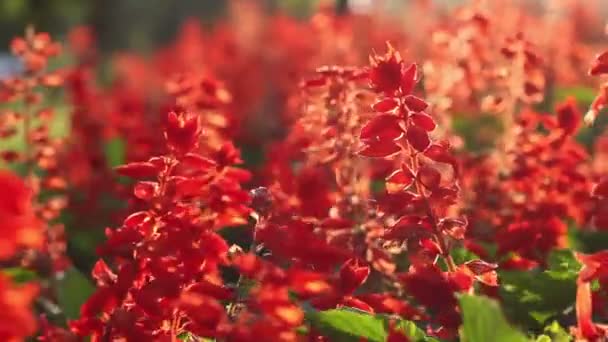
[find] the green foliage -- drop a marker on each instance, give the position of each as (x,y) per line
(115,150)
(554,333)
(583,95)
(479,132)
(587,241)
(19,274)
(484,321)
(346,325)
(531,298)
(73,289)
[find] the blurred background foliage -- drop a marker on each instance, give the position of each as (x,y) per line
(125,24)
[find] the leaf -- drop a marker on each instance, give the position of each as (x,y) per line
(413,332)
(114,150)
(554,333)
(587,241)
(533,297)
(73,290)
(583,95)
(484,321)
(345,325)
(351,325)
(19,274)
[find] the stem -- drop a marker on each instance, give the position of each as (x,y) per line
(414,164)
(438,236)
(232,310)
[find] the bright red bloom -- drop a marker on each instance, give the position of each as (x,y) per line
(20,227)
(18,321)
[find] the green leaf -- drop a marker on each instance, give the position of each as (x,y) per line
(115,151)
(479,132)
(462,255)
(583,95)
(73,289)
(20,275)
(554,333)
(484,321)
(587,241)
(413,332)
(532,297)
(347,324)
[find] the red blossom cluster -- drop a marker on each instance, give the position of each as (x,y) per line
(316,187)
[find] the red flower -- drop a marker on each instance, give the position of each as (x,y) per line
(17,322)
(385,72)
(20,228)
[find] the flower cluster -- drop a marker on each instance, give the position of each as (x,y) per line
(317,187)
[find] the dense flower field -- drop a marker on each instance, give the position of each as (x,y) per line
(343,177)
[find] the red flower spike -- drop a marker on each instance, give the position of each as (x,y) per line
(418,138)
(382,127)
(138,170)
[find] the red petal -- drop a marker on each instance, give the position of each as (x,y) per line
(138,170)
(479,267)
(418,138)
(197,161)
(440,154)
(415,104)
(385,105)
(380,149)
(384,126)
(584,313)
(429,177)
(399,180)
(423,121)
(409,78)
(145,190)
(600,65)
(136,219)
(568,115)
(601,189)
(385,73)
(352,274)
